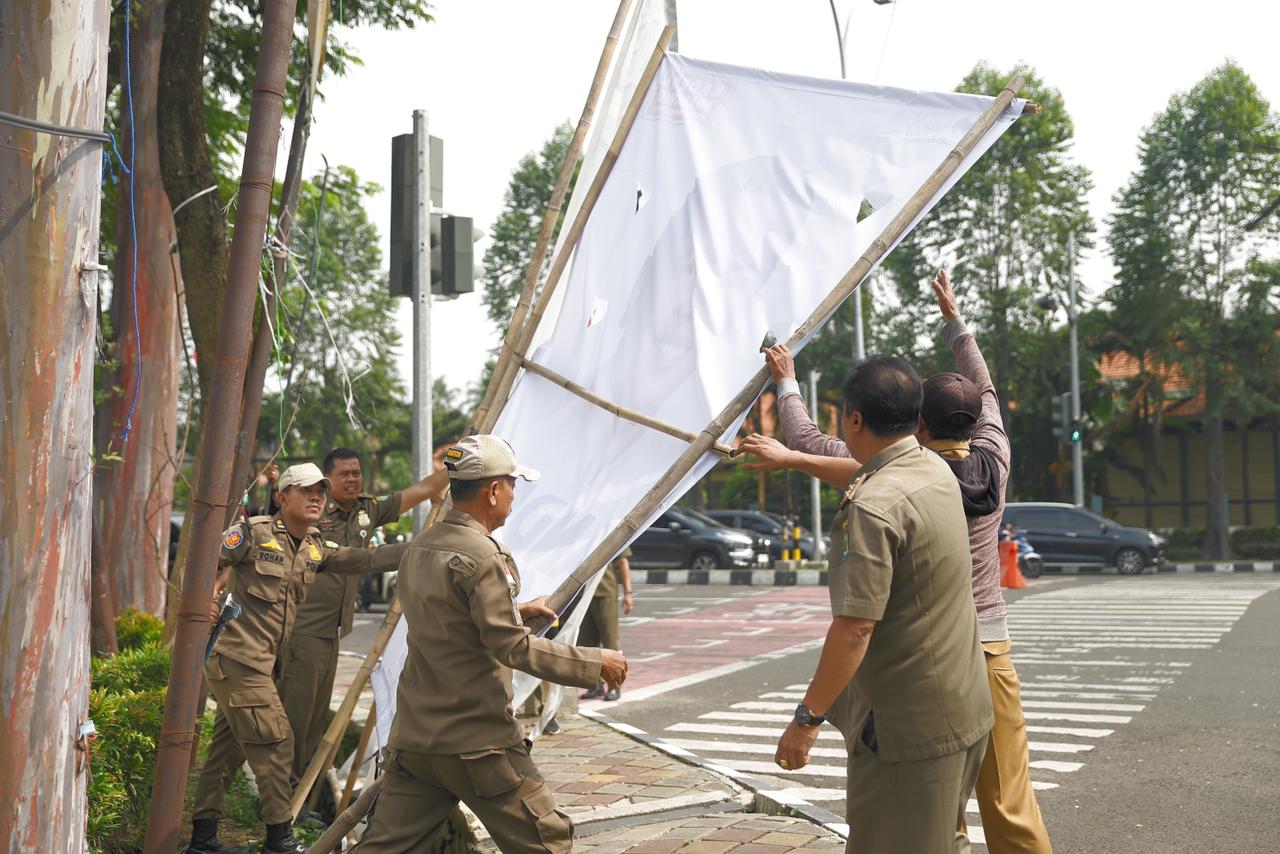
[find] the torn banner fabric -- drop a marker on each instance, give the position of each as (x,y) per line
(738,201)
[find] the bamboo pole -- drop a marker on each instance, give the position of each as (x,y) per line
(214,475)
(552,215)
(621,411)
(358,759)
(393,613)
(502,382)
(333,735)
(347,820)
(632,522)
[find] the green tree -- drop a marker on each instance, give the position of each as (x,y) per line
(515,232)
(1186,287)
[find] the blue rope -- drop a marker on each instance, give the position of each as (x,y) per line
(133,222)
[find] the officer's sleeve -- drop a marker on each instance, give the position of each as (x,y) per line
(386,509)
(236,542)
(511,642)
(861,580)
(346,561)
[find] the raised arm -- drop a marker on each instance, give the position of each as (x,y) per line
(798,428)
(772,455)
(348,561)
(989,430)
(432,487)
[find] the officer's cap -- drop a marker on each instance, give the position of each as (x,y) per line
(303,474)
(485,456)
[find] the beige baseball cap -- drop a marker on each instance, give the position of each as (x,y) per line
(303,474)
(484,456)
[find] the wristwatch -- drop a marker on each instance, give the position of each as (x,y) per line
(806,717)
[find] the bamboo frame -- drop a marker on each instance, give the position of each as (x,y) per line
(621,411)
(334,733)
(552,215)
(346,820)
(658,493)
(358,759)
(502,382)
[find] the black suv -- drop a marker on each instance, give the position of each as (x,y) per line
(680,538)
(1063,533)
(764,524)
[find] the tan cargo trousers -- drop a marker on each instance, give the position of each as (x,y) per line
(250,725)
(502,787)
(1011,818)
(306,688)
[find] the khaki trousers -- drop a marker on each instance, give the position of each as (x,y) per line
(502,787)
(1011,818)
(250,725)
(600,624)
(306,687)
(908,807)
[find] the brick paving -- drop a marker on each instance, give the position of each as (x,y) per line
(719,833)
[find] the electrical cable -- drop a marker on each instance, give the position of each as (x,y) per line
(103,136)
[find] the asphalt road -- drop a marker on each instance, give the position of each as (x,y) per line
(1153,703)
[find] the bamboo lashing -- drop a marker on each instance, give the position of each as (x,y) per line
(503,381)
(658,493)
(621,411)
(337,726)
(552,214)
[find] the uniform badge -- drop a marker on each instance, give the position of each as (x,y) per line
(330,544)
(270,544)
(362,519)
(314,552)
(279,524)
(233,538)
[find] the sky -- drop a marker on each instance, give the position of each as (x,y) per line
(497,76)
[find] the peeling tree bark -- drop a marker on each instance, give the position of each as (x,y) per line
(133,496)
(55,60)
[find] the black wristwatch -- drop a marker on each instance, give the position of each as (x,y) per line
(806,717)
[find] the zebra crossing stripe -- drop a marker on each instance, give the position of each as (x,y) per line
(1076,718)
(717,747)
(1084,707)
(1079,732)
(728,729)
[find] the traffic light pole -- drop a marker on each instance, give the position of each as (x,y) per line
(816,486)
(422,404)
(1077,451)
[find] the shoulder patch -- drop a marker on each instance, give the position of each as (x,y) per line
(233,538)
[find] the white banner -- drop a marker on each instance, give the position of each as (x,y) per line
(738,201)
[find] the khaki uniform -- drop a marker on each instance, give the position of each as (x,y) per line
(916,715)
(327,615)
(600,623)
(269,578)
(454,736)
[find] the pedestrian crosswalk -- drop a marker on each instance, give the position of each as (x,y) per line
(1091,658)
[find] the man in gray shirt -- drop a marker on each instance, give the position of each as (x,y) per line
(961,422)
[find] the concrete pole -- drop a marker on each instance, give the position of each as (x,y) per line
(815,488)
(55,61)
(1077,451)
(422,404)
(859,348)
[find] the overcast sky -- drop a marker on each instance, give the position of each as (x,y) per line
(497,76)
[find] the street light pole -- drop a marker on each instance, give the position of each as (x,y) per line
(1077,451)
(422,404)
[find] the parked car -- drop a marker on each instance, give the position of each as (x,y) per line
(1063,533)
(680,538)
(761,544)
(764,524)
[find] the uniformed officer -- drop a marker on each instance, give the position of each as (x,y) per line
(600,623)
(454,736)
(311,657)
(267,563)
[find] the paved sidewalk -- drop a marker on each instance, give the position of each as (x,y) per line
(626,795)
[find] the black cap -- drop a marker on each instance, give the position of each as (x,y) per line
(952,400)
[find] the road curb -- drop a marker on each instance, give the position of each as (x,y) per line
(767,800)
(818,577)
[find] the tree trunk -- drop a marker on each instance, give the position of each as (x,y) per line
(55,60)
(1217,523)
(187,169)
(133,496)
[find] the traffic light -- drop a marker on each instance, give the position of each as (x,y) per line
(451,237)
(1063,427)
(1076,432)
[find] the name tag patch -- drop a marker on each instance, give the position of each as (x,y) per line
(269,556)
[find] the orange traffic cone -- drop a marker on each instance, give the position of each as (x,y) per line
(1012,576)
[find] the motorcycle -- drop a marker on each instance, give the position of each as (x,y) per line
(1030,564)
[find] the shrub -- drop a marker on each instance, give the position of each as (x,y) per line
(1185,543)
(1256,543)
(135,628)
(140,669)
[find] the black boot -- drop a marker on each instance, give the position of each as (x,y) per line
(280,840)
(204,838)
(595,693)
